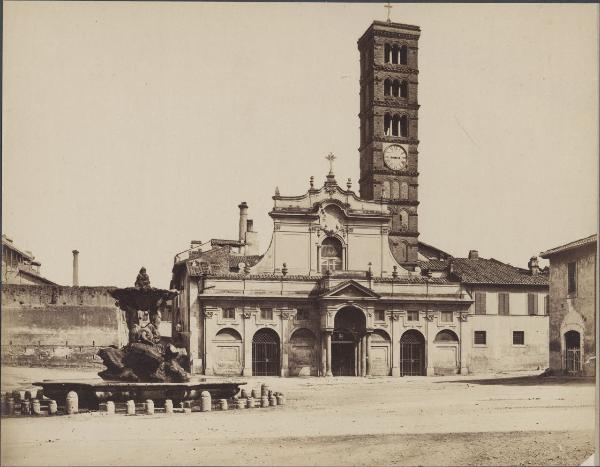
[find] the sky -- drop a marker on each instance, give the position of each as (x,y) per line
(130,129)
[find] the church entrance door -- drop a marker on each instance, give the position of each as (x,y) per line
(412,354)
(265,353)
(349,329)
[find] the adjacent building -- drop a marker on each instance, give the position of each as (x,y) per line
(572,306)
(20,266)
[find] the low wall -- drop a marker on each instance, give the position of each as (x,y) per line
(58,326)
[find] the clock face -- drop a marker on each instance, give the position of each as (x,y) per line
(394,157)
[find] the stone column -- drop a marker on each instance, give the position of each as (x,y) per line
(464,343)
(285,365)
(75,268)
(318,259)
(363,356)
(368,351)
(328,352)
(359,358)
(396,334)
(323,355)
(428,344)
(247,371)
(208,333)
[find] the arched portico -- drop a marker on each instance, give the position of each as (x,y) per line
(347,344)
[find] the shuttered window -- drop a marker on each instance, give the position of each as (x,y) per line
(379,315)
(266,313)
(412,316)
(532,303)
(503,303)
(446,316)
(229,313)
(480,303)
(572,277)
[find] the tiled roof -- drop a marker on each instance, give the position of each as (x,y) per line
(491,271)
(223,242)
(249,261)
(570,246)
(218,260)
(434,265)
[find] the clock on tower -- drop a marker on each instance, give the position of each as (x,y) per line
(389,129)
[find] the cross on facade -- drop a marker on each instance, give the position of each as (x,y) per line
(330,157)
(389,10)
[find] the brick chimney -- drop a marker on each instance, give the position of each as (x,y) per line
(473,254)
(243,221)
(75,268)
(534,266)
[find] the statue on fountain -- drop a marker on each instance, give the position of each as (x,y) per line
(146,358)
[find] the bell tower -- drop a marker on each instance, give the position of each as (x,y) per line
(389,129)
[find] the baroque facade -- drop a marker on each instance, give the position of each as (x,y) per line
(345,287)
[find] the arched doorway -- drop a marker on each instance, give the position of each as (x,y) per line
(348,331)
(572,352)
(228,352)
(445,353)
(265,353)
(412,353)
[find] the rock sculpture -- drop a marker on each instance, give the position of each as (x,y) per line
(146,358)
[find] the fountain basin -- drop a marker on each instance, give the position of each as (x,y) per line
(92,392)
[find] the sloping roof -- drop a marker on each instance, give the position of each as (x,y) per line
(570,246)
(219,260)
(493,272)
(249,261)
(431,251)
(9,244)
(34,274)
(434,265)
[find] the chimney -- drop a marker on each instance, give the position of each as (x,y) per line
(75,268)
(251,239)
(243,221)
(534,266)
(473,254)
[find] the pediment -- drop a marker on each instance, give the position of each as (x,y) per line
(350,289)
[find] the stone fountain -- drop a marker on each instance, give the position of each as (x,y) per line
(147,367)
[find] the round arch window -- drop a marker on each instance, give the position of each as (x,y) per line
(331,255)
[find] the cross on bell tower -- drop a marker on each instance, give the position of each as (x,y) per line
(389,7)
(389,128)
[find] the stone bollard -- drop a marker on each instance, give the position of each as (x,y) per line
(264,401)
(280,399)
(25,408)
(187,407)
(273,401)
(264,390)
(241,403)
(251,403)
(36,407)
(168,406)
(254,394)
(72,403)
(149,407)
(52,407)
(206,402)
(130,407)
(110,408)
(244,394)
(223,404)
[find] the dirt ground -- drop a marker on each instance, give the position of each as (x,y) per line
(507,420)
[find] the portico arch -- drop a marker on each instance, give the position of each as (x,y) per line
(349,329)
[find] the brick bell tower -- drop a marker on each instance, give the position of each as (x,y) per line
(389,129)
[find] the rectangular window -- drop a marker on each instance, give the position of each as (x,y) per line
(572,277)
(446,316)
(480,303)
(503,303)
(301,314)
(379,315)
(480,338)
(546,305)
(266,314)
(412,316)
(229,313)
(518,337)
(532,303)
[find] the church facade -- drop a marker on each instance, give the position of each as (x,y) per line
(345,288)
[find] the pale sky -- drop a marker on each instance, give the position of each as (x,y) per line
(130,129)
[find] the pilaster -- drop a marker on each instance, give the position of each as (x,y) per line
(247,315)
(396,334)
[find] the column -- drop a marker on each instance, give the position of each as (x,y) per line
(328,352)
(428,346)
(285,365)
(368,351)
(318,259)
(247,371)
(396,332)
(464,343)
(323,355)
(363,356)
(359,358)
(208,333)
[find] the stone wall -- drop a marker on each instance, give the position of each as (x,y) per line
(57,325)
(573,311)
